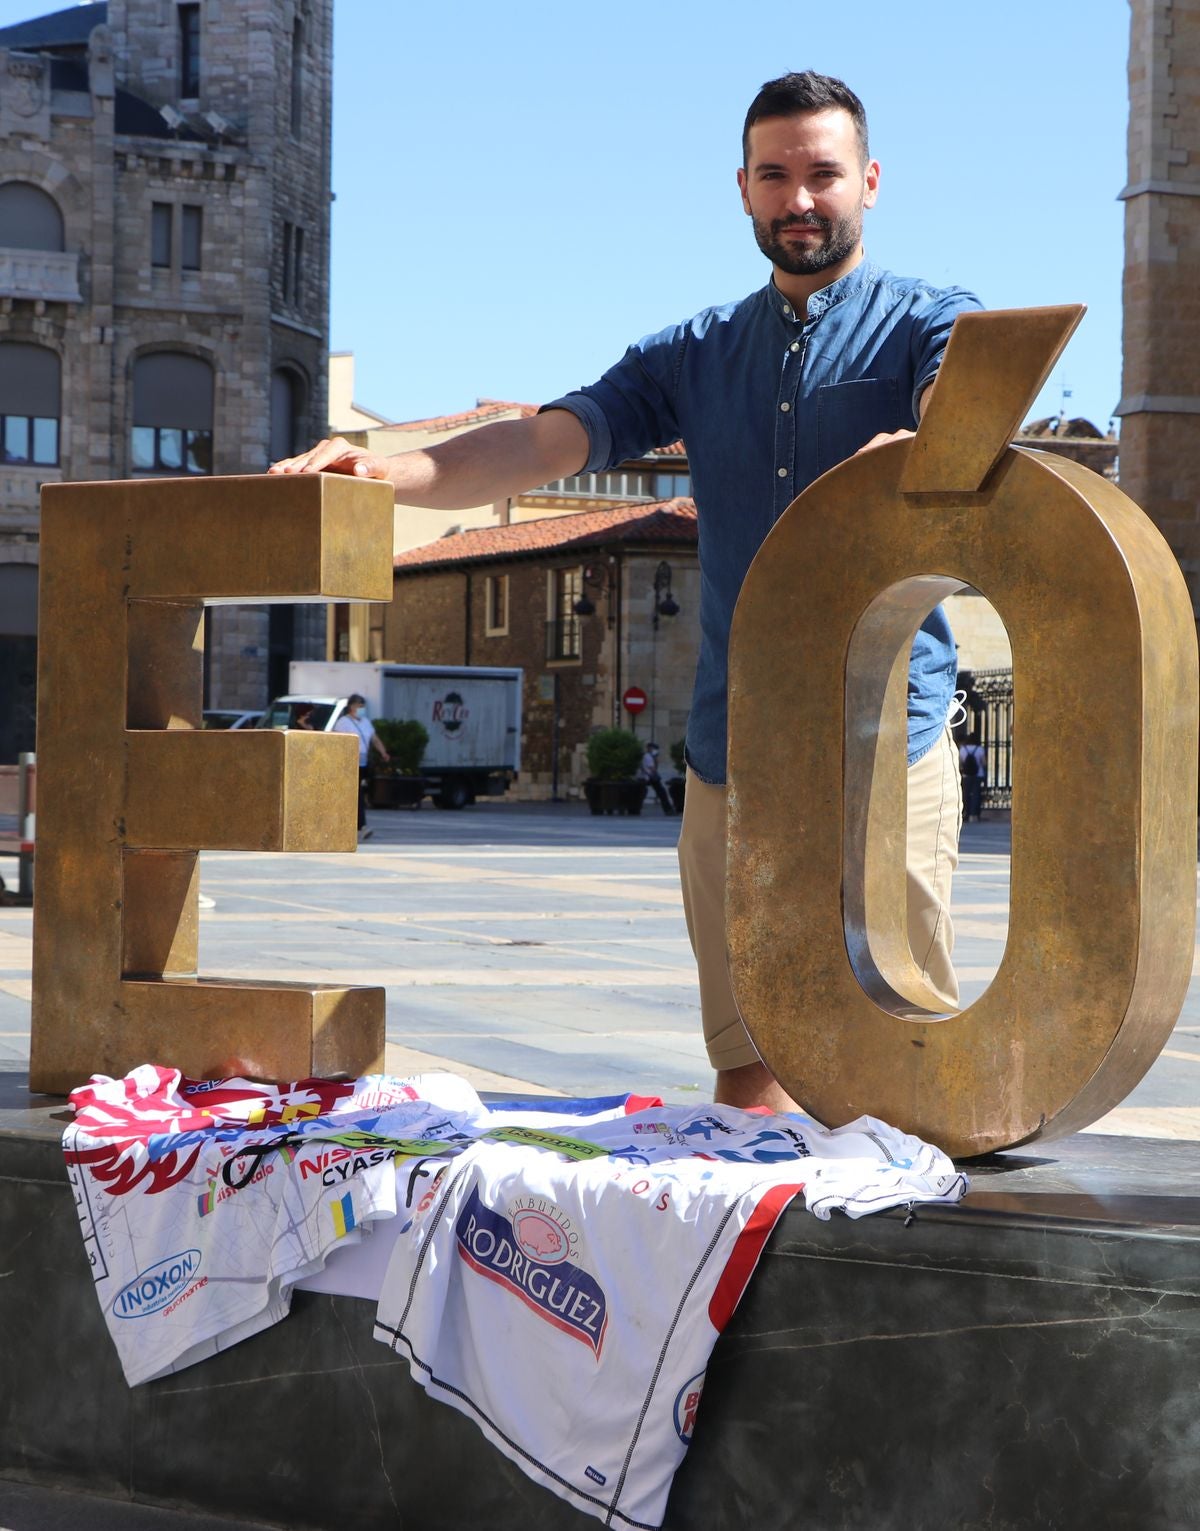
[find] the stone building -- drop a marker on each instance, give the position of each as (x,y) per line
(356,631)
(164,279)
(588,605)
(1160,389)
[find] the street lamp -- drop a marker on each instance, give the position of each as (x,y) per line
(665,604)
(600,577)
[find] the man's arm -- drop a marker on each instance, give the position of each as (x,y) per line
(479,467)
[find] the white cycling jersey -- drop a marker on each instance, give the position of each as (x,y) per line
(560,1269)
(565,1291)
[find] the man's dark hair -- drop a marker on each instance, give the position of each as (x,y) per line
(350,700)
(792,94)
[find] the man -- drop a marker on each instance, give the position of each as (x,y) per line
(832,355)
(972,768)
(648,771)
(355,721)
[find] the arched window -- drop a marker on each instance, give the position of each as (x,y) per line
(289,400)
(30,390)
(29,219)
(172,414)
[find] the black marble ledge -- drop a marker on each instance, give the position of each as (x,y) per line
(1027,1359)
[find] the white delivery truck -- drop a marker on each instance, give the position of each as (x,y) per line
(472,714)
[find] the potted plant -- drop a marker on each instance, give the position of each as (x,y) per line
(677,783)
(399,783)
(614,755)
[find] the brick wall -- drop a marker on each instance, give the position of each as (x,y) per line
(427,622)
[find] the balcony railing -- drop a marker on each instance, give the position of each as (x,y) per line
(52,275)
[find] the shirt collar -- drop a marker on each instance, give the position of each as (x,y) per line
(826,297)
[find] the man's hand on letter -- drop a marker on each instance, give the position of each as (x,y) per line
(882,440)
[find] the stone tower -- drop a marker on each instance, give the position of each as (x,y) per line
(164,278)
(1160,402)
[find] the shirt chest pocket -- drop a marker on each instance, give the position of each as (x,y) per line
(849,414)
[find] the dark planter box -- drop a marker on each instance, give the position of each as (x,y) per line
(396,791)
(614,796)
(675,788)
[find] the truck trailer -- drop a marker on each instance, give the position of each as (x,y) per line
(472,714)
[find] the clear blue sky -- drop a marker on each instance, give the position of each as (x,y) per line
(523,189)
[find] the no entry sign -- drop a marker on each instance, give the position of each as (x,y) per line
(634,700)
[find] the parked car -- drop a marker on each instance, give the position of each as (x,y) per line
(219,717)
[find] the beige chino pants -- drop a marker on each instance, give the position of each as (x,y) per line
(934,821)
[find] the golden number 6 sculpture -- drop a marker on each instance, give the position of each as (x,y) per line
(1103,895)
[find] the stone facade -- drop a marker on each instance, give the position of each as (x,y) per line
(194,225)
(440,615)
(1160,403)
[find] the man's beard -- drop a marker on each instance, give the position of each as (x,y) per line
(842,238)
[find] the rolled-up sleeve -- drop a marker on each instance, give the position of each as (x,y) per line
(931,334)
(631,410)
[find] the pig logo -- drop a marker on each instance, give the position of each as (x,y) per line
(539,1237)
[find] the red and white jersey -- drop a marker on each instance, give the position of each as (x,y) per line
(565,1288)
(560,1269)
(202,1203)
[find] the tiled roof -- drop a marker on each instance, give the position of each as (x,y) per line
(667,521)
(1054,425)
(486,409)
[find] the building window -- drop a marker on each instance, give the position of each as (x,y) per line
(172,414)
(668,485)
(189,51)
(495,597)
(293,263)
(163,241)
(626,484)
(190,230)
(161,216)
(29,219)
(297,104)
(297,265)
(30,389)
(564,588)
(289,400)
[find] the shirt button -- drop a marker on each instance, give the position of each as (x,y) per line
(787,311)
(782,472)
(795,346)
(785,406)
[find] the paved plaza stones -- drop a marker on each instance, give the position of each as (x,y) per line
(532,946)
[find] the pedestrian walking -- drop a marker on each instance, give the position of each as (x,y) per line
(972,768)
(355,721)
(648,771)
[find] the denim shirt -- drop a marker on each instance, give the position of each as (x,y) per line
(766,400)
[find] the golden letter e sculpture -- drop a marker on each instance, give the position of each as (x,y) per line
(130,788)
(1103,897)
